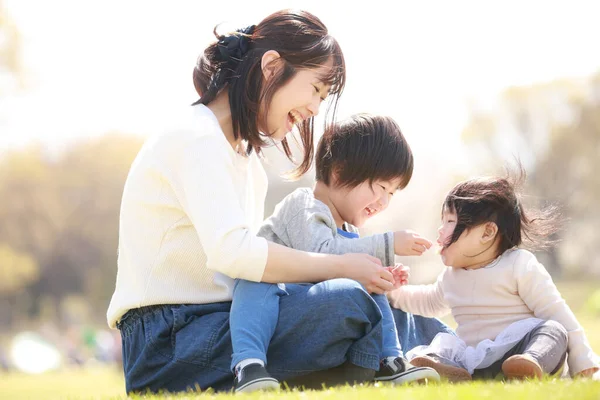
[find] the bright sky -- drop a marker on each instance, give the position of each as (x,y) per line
(97,66)
(114,65)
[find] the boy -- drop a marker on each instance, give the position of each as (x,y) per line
(360,164)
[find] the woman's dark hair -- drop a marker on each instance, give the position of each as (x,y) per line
(234,63)
(496,199)
(364,148)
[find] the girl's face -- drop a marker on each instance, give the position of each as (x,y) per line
(364,201)
(296,101)
(473,247)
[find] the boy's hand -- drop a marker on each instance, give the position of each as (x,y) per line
(409,243)
(401,273)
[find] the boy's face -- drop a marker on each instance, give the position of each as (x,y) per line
(358,204)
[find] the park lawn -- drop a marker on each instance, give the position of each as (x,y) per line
(107,383)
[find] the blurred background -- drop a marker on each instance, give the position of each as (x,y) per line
(474,85)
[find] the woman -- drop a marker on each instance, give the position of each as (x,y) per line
(192,203)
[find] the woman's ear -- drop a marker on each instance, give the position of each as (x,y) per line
(269,63)
(489,232)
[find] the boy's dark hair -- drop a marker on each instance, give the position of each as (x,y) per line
(497,199)
(301,40)
(363,148)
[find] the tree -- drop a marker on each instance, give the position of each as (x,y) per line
(10,53)
(63,214)
(554,128)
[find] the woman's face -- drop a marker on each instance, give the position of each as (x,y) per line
(296,101)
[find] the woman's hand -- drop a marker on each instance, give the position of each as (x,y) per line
(366,270)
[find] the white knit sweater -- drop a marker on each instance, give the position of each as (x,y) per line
(190,210)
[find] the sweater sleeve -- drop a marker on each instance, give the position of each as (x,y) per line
(205,173)
(425,300)
(538,291)
(313,230)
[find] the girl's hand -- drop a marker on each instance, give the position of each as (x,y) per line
(401,273)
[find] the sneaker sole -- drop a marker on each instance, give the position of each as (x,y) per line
(259,384)
(521,368)
(454,374)
(412,375)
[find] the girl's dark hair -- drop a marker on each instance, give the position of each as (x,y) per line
(364,148)
(498,200)
(301,40)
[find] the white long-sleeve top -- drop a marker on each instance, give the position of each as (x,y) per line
(190,211)
(486,301)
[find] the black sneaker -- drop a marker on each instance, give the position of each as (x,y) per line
(401,371)
(254,377)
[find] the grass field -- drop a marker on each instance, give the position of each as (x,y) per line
(107,383)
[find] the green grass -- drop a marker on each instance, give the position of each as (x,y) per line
(107,383)
(89,383)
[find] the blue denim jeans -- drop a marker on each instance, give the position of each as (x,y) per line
(255,313)
(415,330)
(176,347)
(321,326)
